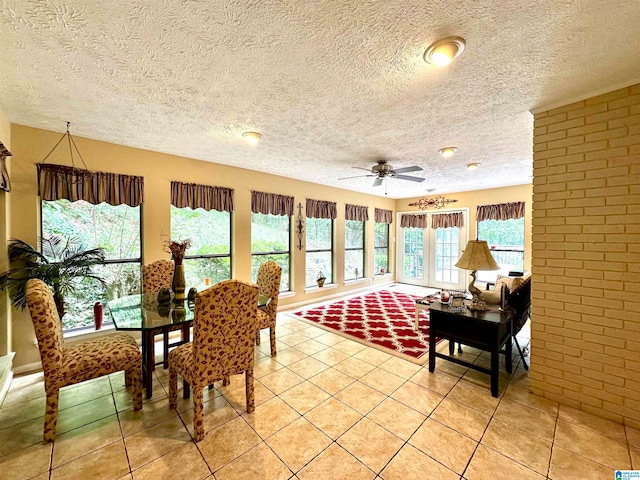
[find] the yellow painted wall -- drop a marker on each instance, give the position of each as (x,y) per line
(31,145)
(470,200)
(5,310)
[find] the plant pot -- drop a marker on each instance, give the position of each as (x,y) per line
(321,282)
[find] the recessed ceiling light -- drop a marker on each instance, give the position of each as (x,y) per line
(447,152)
(444,51)
(252,137)
(472,166)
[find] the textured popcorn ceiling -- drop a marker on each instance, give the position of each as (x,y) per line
(331,84)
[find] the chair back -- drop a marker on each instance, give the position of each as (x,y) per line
(268,281)
(47,326)
(156,275)
(224,329)
(520,300)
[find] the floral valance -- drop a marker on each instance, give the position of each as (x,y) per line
(5,183)
(58,182)
(271,203)
(321,209)
(500,211)
(356,212)
(447,220)
(413,221)
(383,216)
(194,196)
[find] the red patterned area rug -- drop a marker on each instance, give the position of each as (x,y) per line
(380,319)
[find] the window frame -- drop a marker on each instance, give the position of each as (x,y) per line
(331,251)
(489,276)
(352,249)
(212,255)
(287,252)
(376,248)
(108,261)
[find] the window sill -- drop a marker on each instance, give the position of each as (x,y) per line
(386,275)
(359,280)
(89,332)
(286,294)
(327,286)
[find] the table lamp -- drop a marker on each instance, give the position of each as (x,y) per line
(477,256)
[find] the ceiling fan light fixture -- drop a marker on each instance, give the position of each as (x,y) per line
(447,152)
(252,137)
(444,51)
(472,166)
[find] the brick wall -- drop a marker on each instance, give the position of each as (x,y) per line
(585,348)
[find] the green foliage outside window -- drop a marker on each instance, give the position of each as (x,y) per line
(116,229)
(270,240)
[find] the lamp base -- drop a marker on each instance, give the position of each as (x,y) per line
(478,304)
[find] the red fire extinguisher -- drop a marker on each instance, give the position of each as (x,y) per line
(97,315)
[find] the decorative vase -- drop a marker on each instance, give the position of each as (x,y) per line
(164,296)
(178,283)
(97,315)
(321,282)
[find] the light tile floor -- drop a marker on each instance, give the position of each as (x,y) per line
(326,408)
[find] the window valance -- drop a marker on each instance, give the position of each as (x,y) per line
(413,221)
(58,182)
(383,216)
(321,209)
(5,183)
(447,220)
(356,212)
(500,211)
(194,196)
(271,203)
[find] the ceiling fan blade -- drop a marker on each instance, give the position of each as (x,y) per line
(415,168)
(357,176)
(377,182)
(410,178)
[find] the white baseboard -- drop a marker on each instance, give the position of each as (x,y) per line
(6,374)
(28,368)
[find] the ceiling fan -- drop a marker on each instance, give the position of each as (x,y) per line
(384,170)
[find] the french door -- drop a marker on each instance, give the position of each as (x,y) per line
(427,256)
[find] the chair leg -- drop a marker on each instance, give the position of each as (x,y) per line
(51,416)
(173,387)
(135,379)
(127,379)
(248,379)
(258,337)
(272,339)
(198,417)
(226,381)
(524,362)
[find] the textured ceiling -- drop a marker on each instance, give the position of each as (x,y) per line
(330,84)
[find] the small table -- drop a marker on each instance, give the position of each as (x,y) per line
(142,313)
(489,331)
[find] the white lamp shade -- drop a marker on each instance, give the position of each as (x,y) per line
(477,256)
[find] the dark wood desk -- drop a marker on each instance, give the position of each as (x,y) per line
(487,331)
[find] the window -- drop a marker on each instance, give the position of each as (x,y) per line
(210,253)
(447,245)
(319,250)
(506,241)
(271,240)
(381,248)
(354,249)
(114,228)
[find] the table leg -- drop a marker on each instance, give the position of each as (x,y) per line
(432,349)
(495,372)
(452,347)
(149,360)
(165,349)
(508,351)
(415,325)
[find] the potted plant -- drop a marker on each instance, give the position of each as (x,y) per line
(58,264)
(320,279)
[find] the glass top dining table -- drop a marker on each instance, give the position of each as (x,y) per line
(143,313)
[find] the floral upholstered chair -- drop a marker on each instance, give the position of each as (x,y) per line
(269,275)
(224,328)
(68,365)
(156,275)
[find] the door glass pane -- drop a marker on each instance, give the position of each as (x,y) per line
(447,253)
(413,253)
